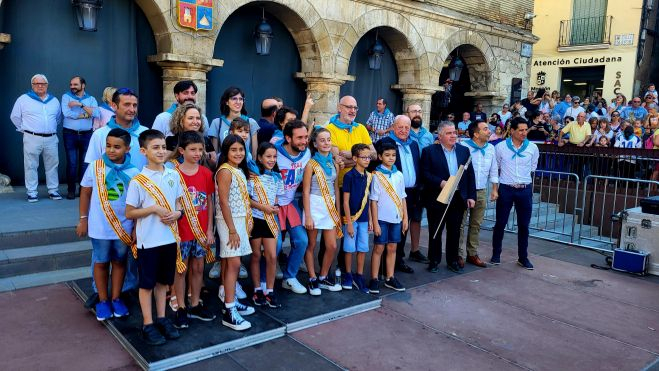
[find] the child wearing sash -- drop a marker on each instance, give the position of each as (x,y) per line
(321,209)
(389,215)
(102,206)
(196,226)
(357,219)
(234,224)
(264,187)
(154,201)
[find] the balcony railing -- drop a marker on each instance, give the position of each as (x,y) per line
(585,31)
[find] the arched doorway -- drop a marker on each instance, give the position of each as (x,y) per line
(258,76)
(371,84)
(474,79)
(46,39)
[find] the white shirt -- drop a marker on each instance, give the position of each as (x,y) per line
(516,170)
(98,225)
(37,117)
(150,231)
(96,147)
(387,210)
(573,112)
(407,165)
(485,166)
(162,123)
(220,129)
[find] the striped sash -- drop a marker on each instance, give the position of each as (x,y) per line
(346,220)
(193,219)
(161,201)
(391,192)
(327,197)
(243,192)
(262,196)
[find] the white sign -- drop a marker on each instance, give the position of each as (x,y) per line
(627,39)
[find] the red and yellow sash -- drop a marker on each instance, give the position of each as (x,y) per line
(110,215)
(391,192)
(346,219)
(262,196)
(327,197)
(243,192)
(193,219)
(161,201)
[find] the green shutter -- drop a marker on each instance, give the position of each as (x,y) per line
(588,22)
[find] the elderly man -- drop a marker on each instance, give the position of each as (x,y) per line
(420,134)
(579,130)
(36,115)
(635,112)
(407,161)
(486,170)
(517,159)
(438,162)
(79,110)
(379,121)
(184,92)
(266,123)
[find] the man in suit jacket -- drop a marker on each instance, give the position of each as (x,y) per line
(438,162)
(407,161)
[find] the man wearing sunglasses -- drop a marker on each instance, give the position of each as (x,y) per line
(635,111)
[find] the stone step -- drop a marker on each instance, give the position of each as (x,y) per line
(43,278)
(38,237)
(44,258)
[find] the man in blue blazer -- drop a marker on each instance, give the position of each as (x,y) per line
(438,162)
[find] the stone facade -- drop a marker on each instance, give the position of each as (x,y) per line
(421,34)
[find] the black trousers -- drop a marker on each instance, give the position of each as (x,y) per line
(452,222)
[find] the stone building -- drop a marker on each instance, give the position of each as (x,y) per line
(320,48)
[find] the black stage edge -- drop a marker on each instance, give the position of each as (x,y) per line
(209,339)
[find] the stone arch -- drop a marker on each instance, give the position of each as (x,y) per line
(401,36)
(302,20)
(478,56)
(157,13)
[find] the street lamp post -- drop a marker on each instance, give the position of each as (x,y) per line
(87,13)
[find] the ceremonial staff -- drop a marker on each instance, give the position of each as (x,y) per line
(446,195)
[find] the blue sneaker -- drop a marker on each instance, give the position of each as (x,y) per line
(346,281)
(119,308)
(360,284)
(495,260)
(525,263)
(103,310)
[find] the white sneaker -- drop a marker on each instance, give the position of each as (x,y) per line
(215,271)
(240,293)
(243,272)
(294,285)
(278,273)
(220,293)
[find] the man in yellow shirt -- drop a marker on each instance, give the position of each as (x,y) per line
(345,133)
(579,130)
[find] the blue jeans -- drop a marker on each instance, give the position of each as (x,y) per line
(75,147)
(522,199)
(299,242)
(131,278)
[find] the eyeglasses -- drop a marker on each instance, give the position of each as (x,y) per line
(615,115)
(365,158)
(237,99)
(40,83)
(415,111)
(125,91)
(636,101)
(350,107)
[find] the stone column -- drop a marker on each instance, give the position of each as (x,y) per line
(5,181)
(421,95)
(491,101)
(325,91)
(178,67)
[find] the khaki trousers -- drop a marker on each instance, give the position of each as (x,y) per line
(475,219)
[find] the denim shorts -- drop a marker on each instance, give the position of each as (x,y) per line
(390,233)
(192,248)
(104,251)
(360,241)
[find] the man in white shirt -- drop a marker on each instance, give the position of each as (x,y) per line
(517,159)
(575,109)
(483,160)
(36,115)
(184,92)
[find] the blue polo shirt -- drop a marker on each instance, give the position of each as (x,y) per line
(355,184)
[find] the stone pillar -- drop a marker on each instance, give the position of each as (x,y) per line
(178,67)
(491,101)
(5,181)
(421,95)
(325,91)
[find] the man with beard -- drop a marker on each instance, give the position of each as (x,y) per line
(184,92)
(79,111)
(420,134)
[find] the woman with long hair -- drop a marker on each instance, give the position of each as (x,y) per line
(232,105)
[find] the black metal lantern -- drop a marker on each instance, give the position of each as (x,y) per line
(87,13)
(455,68)
(375,53)
(263,37)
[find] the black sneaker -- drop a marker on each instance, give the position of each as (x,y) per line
(201,313)
(167,328)
(258,298)
(417,256)
(374,286)
(152,336)
(454,267)
(495,260)
(271,300)
(402,267)
(328,284)
(525,263)
(394,284)
(233,320)
(181,319)
(314,287)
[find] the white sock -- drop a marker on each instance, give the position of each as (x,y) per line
(263,287)
(229,305)
(268,291)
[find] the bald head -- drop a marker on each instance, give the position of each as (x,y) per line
(347,109)
(401,127)
(269,108)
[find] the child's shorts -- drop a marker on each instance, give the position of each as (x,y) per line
(261,229)
(156,265)
(390,233)
(360,241)
(192,249)
(104,251)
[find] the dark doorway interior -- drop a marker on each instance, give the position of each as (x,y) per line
(582,81)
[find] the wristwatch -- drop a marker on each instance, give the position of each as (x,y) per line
(182,211)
